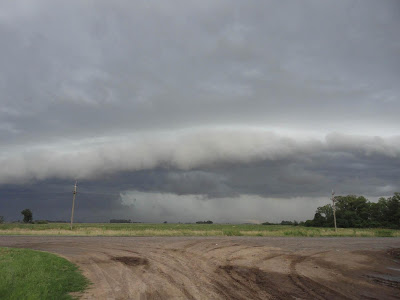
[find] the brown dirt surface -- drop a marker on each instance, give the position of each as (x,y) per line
(229,267)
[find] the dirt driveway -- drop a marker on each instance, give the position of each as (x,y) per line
(230,267)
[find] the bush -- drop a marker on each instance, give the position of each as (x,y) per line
(309,223)
(1,219)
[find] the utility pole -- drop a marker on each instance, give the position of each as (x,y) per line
(73,203)
(334,208)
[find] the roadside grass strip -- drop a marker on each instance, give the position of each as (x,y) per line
(146,229)
(29,274)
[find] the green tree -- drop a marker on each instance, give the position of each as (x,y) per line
(326,213)
(319,220)
(393,211)
(352,211)
(1,219)
(27,213)
(378,213)
(357,211)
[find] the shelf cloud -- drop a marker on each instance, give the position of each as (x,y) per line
(199,149)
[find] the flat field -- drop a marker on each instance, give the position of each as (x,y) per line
(235,267)
(145,229)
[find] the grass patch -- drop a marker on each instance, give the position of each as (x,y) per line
(234,232)
(146,229)
(384,233)
(29,274)
(295,233)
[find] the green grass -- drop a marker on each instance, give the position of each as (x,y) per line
(29,274)
(384,233)
(145,229)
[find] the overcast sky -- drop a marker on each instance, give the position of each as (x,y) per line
(235,111)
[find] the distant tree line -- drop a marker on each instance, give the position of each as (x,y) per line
(204,222)
(357,212)
(120,221)
(291,223)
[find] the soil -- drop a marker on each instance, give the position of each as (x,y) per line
(229,267)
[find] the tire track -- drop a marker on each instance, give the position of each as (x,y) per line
(256,283)
(309,286)
(167,260)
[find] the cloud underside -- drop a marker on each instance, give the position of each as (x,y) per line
(219,162)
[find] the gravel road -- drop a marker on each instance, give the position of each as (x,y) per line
(229,267)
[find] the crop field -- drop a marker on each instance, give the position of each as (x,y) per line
(144,229)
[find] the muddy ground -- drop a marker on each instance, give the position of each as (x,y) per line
(229,267)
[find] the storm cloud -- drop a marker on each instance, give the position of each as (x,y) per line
(196,103)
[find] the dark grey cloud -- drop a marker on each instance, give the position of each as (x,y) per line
(95,69)
(209,100)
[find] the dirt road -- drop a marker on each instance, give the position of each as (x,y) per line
(230,267)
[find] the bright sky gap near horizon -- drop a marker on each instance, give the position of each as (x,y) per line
(233,111)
